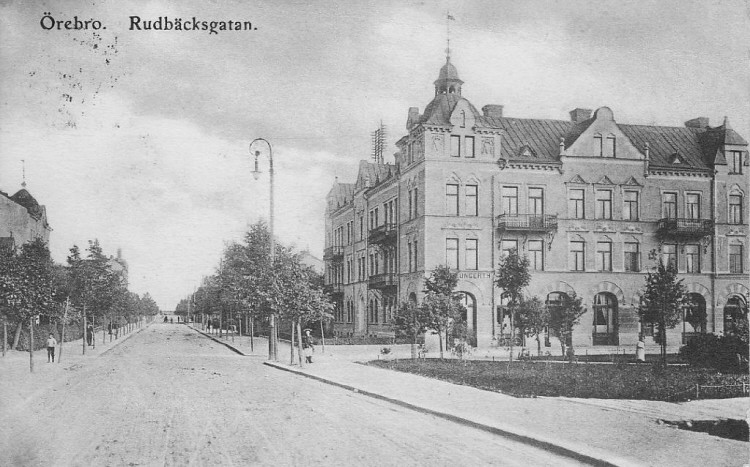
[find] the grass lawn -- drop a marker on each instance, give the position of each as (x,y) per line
(527,379)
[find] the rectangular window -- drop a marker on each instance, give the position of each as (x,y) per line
(416,255)
(372,220)
(472,259)
(510,200)
(377,220)
(669,205)
(577,255)
(451,199)
(362,227)
(451,252)
(736,162)
(536,201)
(469,140)
(692,259)
(604,204)
(576,204)
(632,257)
(693,206)
(507,246)
(611,149)
(411,257)
(735,209)
(455,146)
(598,145)
(411,204)
(416,201)
(735,259)
(669,254)
(604,256)
(472,200)
(630,206)
(536,255)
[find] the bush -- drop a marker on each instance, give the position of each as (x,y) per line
(727,354)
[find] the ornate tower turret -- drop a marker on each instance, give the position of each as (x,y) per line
(448,81)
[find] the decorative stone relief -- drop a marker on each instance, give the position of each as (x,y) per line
(437,143)
(488,147)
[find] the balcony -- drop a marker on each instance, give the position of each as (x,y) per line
(383,281)
(684,229)
(383,234)
(333,253)
(334,289)
(527,222)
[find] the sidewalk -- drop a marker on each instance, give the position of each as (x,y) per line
(18,385)
(616,432)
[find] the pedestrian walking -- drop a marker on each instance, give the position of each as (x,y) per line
(51,344)
(307,346)
(640,350)
(90,334)
(208,325)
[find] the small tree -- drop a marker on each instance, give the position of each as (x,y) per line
(441,303)
(413,320)
(512,276)
(533,318)
(663,302)
(566,316)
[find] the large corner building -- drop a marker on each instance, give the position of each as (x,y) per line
(591,202)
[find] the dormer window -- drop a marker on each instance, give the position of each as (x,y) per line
(463,119)
(598,145)
(677,158)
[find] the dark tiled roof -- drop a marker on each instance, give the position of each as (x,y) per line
(340,194)
(373,172)
(24,198)
(438,112)
(541,136)
(665,142)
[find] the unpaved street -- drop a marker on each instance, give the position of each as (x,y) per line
(169,396)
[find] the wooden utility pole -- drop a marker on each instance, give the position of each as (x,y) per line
(5,335)
(84,328)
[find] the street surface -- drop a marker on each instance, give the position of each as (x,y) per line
(170,396)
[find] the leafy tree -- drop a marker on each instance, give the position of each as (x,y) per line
(26,281)
(441,303)
(512,276)
(533,319)
(663,302)
(413,320)
(566,315)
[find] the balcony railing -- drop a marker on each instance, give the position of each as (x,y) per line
(385,233)
(333,253)
(527,222)
(334,289)
(383,281)
(671,227)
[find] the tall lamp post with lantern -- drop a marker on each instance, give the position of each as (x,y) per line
(272,342)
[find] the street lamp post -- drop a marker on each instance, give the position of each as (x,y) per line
(272,344)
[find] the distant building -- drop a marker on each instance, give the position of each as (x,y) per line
(119,265)
(22,219)
(312,261)
(590,201)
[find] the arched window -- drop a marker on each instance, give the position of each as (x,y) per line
(694,317)
(605,319)
(469,316)
(736,316)
(413,298)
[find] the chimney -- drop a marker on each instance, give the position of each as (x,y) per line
(493,111)
(579,115)
(700,123)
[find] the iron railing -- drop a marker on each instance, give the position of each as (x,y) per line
(527,222)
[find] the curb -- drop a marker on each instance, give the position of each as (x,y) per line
(225,344)
(577,452)
(123,340)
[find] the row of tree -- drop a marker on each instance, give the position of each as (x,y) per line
(88,288)
(251,286)
(663,306)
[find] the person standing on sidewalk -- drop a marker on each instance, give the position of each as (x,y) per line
(307,346)
(90,335)
(640,350)
(51,344)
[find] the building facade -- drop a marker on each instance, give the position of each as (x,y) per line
(591,202)
(22,219)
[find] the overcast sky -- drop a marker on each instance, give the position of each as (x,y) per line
(140,138)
